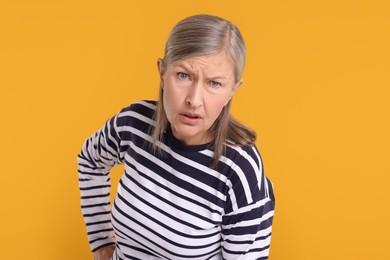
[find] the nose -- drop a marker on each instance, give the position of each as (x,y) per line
(194,97)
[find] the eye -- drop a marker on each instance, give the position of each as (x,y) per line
(215,84)
(182,75)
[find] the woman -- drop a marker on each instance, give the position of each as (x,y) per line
(193,186)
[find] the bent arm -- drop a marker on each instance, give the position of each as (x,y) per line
(249,211)
(98,155)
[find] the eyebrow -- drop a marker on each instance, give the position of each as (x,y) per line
(188,69)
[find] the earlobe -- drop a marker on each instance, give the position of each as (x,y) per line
(227,102)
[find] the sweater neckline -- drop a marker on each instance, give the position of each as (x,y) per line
(178,145)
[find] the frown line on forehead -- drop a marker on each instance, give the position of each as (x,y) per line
(191,71)
(194,66)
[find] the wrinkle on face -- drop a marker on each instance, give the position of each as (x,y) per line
(197,94)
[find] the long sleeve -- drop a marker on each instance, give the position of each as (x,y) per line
(247,223)
(171,205)
(99,154)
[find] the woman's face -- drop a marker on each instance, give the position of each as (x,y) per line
(195,90)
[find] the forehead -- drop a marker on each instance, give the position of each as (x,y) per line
(219,62)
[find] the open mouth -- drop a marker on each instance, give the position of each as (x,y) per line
(192,116)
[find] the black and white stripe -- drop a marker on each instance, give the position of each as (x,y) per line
(172,205)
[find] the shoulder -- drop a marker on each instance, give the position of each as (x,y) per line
(245,157)
(245,173)
(142,110)
(138,115)
(142,107)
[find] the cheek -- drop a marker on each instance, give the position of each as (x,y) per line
(215,107)
(167,104)
(168,96)
(218,102)
(173,94)
(170,102)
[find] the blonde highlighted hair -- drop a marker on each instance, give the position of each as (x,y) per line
(203,35)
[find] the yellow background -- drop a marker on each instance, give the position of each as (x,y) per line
(316,91)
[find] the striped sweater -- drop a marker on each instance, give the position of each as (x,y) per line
(172,205)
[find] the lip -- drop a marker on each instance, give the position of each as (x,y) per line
(191,115)
(190,118)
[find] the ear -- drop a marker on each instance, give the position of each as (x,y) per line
(160,67)
(234,89)
(237,85)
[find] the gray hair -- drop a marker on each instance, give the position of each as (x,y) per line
(204,35)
